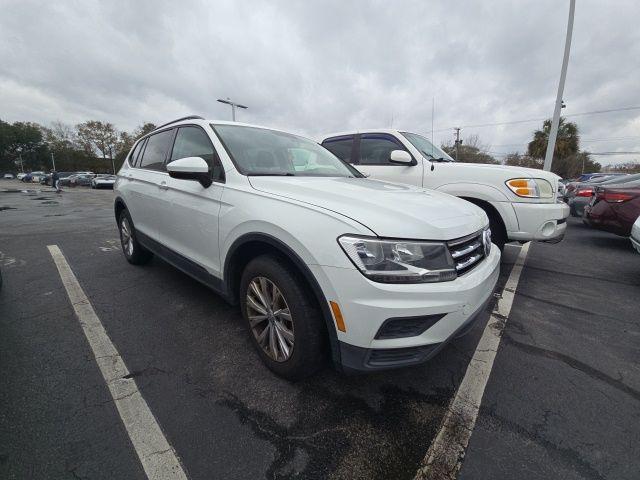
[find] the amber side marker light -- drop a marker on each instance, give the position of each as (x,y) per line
(338,316)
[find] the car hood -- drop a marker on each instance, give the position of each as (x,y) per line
(388,209)
(511,172)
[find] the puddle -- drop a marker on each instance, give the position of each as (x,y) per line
(7,208)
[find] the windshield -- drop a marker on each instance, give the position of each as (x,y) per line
(428,149)
(260,151)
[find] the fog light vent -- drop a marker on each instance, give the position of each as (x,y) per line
(402,327)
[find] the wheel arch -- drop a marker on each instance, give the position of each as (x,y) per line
(490,211)
(251,245)
(118,207)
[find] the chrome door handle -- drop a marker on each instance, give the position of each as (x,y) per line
(163,186)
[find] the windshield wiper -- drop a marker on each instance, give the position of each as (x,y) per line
(274,174)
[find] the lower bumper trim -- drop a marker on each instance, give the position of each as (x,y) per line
(359,360)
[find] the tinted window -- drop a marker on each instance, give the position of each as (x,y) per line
(340,147)
(135,153)
(376,149)
(194,142)
(156,150)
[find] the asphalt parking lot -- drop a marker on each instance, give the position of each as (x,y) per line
(562,401)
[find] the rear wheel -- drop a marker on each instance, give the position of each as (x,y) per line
(283,319)
(135,253)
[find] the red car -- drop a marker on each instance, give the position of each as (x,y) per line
(614,208)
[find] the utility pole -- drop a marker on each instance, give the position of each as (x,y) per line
(458,141)
(113,167)
(53,161)
(21,164)
(553,134)
(234,105)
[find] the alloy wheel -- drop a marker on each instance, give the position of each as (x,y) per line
(126,238)
(270,319)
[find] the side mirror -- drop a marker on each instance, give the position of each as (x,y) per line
(401,157)
(190,168)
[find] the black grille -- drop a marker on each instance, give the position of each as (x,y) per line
(399,356)
(467,252)
(402,327)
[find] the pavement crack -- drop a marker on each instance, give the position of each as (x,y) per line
(575,364)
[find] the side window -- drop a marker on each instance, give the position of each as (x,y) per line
(340,146)
(375,149)
(194,142)
(156,150)
(135,155)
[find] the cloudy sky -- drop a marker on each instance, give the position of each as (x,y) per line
(325,66)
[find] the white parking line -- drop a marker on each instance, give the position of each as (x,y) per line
(158,458)
(445,455)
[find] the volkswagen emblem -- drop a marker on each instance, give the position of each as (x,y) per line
(486,241)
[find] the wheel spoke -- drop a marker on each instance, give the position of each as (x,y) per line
(264,289)
(284,331)
(262,337)
(284,348)
(283,313)
(251,302)
(257,290)
(256,319)
(272,342)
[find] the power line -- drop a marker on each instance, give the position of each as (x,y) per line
(531,120)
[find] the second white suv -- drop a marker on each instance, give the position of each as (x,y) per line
(522,203)
(323,262)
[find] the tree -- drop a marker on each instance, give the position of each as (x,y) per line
(518,160)
(98,137)
(471,152)
(568,160)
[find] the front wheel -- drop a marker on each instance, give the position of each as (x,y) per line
(135,253)
(283,318)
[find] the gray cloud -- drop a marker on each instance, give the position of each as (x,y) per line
(315,67)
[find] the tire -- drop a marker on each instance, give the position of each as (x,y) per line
(135,253)
(302,330)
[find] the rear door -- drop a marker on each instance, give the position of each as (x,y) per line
(147,183)
(373,154)
(192,208)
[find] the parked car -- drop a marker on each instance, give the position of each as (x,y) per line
(103,181)
(21,175)
(8,176)
(614,208)
(580,197)
(37,176)
(321,260)
(26,178)
(635,235)
(81,179)
(589,178)
(520,202)
(47,179)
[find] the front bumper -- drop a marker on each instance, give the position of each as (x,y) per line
(543,222)
(366,305)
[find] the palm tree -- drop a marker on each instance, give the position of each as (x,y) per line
(567,142)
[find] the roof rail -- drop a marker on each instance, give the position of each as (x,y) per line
(190,117)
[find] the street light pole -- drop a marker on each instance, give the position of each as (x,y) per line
(553,134)
(53,161)
(234,105)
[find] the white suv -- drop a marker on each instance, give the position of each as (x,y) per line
(522,203)
(322,261)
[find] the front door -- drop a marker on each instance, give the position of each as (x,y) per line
(193,210)
(373,159)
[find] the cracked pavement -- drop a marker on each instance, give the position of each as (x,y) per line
(562,400)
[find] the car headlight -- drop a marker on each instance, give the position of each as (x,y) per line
(400,261)
(530,187)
